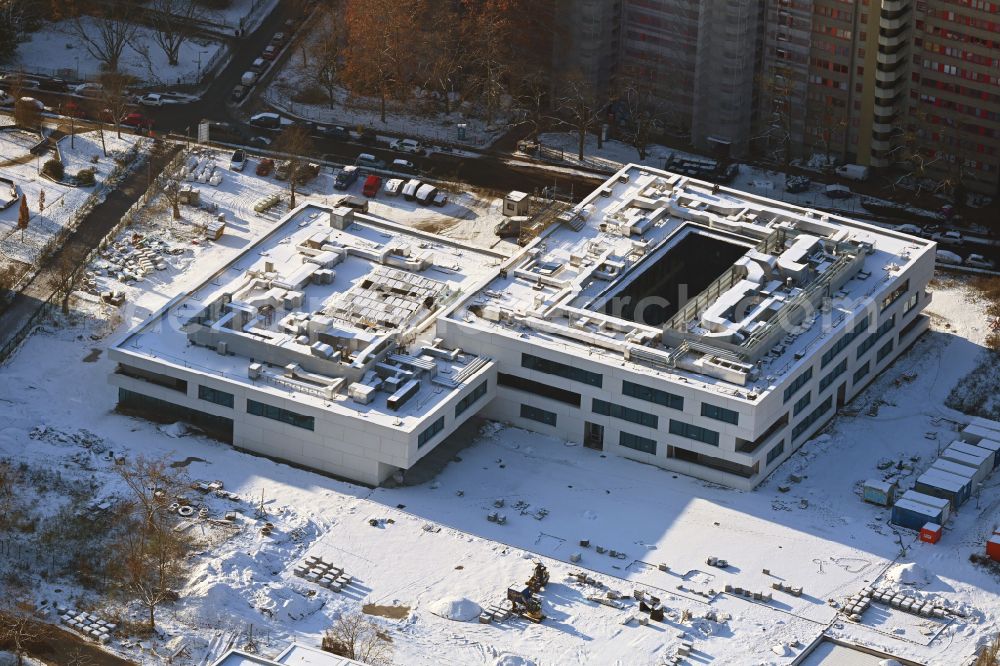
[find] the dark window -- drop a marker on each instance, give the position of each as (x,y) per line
(630,441)
(536,414)
(861,372)
(471,399)
(719,413)
(625,413)
(908,327)
(775,452)
(429,432)
(721,464)
(799,382)
(162,411)
(746,446)
(802,403)
(216,396)
(884,351)
(539,364)
(870,341)
(538,388)
(844,341)
(694,432)
(832,375)
(894,295)
(165,381)
(652,395)
(279,414)
(816,414)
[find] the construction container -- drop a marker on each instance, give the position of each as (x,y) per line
(930,533)
(913,515)
(993,446)
(953,467)
(971,455)
(956,489)
(941,504)
(993,547)
(879,492)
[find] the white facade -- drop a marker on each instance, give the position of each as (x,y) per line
(790,314)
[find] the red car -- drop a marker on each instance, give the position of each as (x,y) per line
(270,53)
(136,119)
(372,183)
(265,166)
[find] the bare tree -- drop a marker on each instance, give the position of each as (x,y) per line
(641,110)
(295,142)
(172,24)
(17,628)
(171,191)
(380,38)
(579,108)
(63,271)
(356,637)
(328,51)
(149,553)
(115,97)
(442,57)
(490,25)
(105,34)
(534,99)
(12,24)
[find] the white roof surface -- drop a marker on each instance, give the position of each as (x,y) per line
(293,655)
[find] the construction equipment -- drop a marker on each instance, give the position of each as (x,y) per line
(525,603)
(539,578)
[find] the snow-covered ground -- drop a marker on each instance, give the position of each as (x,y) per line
(241,13)
(432,545)
(420,118)
(62,202)
(57,47)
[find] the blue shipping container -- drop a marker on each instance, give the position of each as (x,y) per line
(913,515)
(952,487)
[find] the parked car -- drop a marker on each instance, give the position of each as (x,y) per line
(306,172)
(853,172)
(407,146)
(838,192)
(265,166)
(238,160)
(425,194)
(333,132)
(406,166)
(372,183)
(259,65)
(239,92)
(136,119)
(369,160)
(345,177)
(947,238)
(409,190)
(270,52)
(979,261)
(946,257)
(440,199)
(911,229)
(278,38)
(282,170)
(267,120)
(259,141)
(351,201)
(393,186)
(248,79)
(151,99)
(89,89)
(53,85)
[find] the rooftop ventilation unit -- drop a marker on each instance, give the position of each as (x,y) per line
(400,397)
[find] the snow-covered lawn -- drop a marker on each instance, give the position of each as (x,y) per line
(57,47)
(250,12)
(432,544)
(420,118)
(62,202)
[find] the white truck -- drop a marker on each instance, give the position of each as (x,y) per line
(853,172)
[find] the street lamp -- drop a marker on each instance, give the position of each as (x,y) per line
(77,59)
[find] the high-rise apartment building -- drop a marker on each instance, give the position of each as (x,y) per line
(701,61)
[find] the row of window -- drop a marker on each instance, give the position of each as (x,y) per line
(775,451)
(652,395)
(894,296)
(625,413)
(643,444)
(884,351)
(870,341)
(550,367)
(278,414)
(844,342)
(429,432)
(831,376)
(814,416)
(802,403)
(798,383)
(533,413)
(720,413)
(697,433)
(538,388)
(470,399)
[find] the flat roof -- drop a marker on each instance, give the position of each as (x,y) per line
(639,214)
(370,281)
